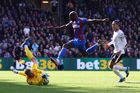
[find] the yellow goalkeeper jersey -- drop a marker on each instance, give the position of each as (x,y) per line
(37,79)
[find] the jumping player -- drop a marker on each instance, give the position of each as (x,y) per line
(119,42)
(79,40)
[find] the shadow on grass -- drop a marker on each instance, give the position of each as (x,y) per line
(22,87)
(133,82)
(128,87)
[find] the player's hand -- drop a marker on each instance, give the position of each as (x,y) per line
(106,46)
(14,70)
(11,68)
(45,76)
(105,20)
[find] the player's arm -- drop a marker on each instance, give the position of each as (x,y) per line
(30,55)
(108,44)
(35,66)
(22,73)
(62,27)
(98,20)
(17,72)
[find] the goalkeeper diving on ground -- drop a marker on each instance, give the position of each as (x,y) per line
(34,76)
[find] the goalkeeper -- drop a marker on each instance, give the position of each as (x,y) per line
(34,76)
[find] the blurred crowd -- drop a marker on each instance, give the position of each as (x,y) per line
(18,17)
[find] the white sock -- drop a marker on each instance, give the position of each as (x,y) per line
(118,73)
(60,61)
(96,44)
(117,67)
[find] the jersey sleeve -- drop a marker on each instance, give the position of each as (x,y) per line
(22,73)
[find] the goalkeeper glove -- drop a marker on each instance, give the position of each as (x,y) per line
(45,76)
(14,70)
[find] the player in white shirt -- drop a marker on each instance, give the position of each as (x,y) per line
(119,42)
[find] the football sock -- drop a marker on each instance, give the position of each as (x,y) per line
(92,48)
(117,67)
(118,74)
(62,53)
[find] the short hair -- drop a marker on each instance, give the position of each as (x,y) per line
(117,21)
(72,13)
(27,71)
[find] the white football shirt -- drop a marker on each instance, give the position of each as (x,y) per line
(119,41)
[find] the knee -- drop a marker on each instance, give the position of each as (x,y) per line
(111,65)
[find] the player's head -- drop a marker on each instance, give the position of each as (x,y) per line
(73,16)
(115,25)
(29,73)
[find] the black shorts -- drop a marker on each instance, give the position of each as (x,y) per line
(116,58)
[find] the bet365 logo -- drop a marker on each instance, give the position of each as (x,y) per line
(97,64)
(43,64)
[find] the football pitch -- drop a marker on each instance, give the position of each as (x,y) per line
(72,82)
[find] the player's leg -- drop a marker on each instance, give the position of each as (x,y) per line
(14,65)
(62,53)
(122,68)
(59,62)
(30,55)
(91,49)
(17,56)
(115,67)
(84,53)
(27,41)
(82,48)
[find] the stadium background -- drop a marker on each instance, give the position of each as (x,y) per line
(17,16)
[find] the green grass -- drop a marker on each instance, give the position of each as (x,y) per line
(72,82)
